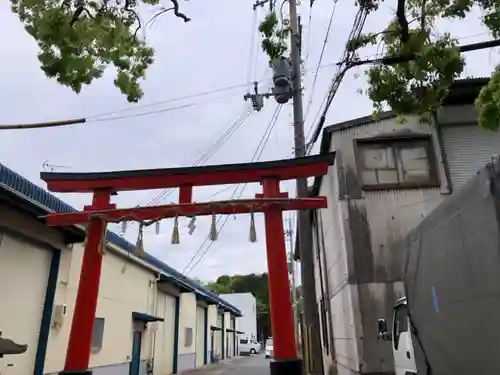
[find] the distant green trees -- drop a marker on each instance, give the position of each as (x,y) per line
(255,283)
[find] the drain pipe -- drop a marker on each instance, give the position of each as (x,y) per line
(153,336)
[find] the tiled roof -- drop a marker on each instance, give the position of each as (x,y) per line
(36,195)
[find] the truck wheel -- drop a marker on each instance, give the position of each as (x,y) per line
(252,351)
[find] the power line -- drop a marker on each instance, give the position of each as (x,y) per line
(222,139)
(323,48)
(256,156)
(176,99)
(347,58)
(252,47)
(387,60)
(235,125)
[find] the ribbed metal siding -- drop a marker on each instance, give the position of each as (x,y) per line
(468,149)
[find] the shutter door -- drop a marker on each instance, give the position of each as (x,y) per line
(468,149)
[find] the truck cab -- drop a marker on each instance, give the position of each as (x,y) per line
(401,338)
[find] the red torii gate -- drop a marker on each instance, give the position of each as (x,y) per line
(272,202)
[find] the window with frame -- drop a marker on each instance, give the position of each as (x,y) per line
(97,335)
(397,162)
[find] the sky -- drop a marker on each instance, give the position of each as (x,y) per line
(214,51)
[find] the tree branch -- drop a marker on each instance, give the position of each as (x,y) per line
(403,22)
(159,13)
(177,13)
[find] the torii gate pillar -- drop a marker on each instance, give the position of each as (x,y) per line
(285,350)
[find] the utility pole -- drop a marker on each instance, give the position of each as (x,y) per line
(287,81)
(311,333)
(291,270)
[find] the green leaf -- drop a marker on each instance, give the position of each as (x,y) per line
(77,46)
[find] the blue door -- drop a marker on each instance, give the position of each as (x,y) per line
(135,364)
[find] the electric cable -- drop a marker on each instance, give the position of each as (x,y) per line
(323,48)
(377,60)
(252,48)
(235,125)
(386,60)
(346,60)
(256,156)
(221,140)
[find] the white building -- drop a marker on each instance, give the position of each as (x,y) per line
(150,319)
(247,304)
(387,177)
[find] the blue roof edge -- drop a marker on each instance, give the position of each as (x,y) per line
(34,194)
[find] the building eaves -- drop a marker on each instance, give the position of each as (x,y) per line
(461,92)
(45,202)
(25,195)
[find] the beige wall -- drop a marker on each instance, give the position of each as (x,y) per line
(125,287)
(212,321)
(22,295)
(164,335)
(187,319)
(24,271)
(200,335)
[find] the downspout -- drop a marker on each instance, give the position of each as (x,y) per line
(444,157)
(321,281)
(330,324)
(48,307)
(153,336)
(176,335)
(205,337)
(223,336)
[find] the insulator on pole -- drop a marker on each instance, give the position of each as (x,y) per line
(124,226)
(157,227)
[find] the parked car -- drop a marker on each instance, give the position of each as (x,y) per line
(249,346)
(269,350)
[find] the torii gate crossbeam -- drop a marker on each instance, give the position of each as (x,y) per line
(272,202)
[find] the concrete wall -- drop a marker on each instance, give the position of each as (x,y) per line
(212,335)
(228,346)
(247,304)
(201,332)
(187,327)
(164,336)
(359,277)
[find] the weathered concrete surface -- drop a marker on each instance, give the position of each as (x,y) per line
(254,365)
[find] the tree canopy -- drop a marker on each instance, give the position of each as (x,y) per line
(79,39)
(257,284)
(419,84)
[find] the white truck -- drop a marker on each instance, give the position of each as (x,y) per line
(448,323)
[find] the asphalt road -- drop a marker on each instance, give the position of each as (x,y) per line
(254,365)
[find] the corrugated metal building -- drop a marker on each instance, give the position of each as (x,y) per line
(150,318)
(387,177)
